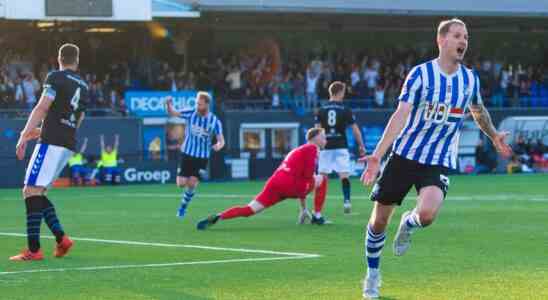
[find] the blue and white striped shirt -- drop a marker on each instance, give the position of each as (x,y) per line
(199,130)
(431,133)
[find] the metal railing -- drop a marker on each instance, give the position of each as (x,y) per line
(14,113)
(369,104)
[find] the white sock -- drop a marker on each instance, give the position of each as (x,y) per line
(412,222)
(186,197)
(372,272)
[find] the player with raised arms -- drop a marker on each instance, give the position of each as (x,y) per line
(294,178)
(60,112)
(423,133)
(201,125)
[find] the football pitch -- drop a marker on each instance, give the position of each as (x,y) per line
(489,242)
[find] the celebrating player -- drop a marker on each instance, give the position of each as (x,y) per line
(109,161)
(294,178)
(201,124)
(61,109)
(335,118)
(424,132)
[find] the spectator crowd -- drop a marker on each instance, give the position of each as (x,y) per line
(373,81)
(529,156)
(21,84)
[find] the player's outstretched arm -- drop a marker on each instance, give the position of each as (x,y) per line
(31,130)
(483,119)
(393,129)
(170,110)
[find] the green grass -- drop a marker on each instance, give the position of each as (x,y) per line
(490,242)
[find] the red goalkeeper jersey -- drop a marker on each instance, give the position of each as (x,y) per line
(301,163)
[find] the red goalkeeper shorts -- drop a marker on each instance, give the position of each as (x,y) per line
(278,188)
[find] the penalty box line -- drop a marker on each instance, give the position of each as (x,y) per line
(279,255)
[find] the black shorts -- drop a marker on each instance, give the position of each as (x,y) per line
(191,166)
(400,174)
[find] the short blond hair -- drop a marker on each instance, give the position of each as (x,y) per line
(205,95)
(445,25)
(313,132)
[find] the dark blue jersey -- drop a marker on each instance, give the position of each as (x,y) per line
(69,94)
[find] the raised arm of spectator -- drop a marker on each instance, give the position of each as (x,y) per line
(102,140)
(116,142)
(84,145)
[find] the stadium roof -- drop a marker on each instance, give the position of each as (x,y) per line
(537,8)
(173,8)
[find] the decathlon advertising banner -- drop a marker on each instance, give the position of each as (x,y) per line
(152,104)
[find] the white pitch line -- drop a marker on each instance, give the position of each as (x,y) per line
(164,265)
(135,243)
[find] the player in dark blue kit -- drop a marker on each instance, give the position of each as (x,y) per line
(60,112)
(335,118)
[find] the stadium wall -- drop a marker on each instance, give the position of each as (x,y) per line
(372,122)
(129,129)
(260,163)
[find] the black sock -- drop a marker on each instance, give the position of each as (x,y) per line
(34,220)
(346,189)
(50,217)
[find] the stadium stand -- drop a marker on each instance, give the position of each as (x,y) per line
(373,81)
